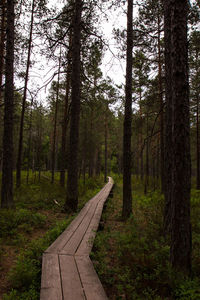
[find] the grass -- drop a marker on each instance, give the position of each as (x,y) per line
(25,233)
(132,258)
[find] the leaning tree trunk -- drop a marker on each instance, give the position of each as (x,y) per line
(20,146)
(180,254)
(7,171)
(72,182)
(127,190)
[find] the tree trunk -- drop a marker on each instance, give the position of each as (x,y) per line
(180,251)
(2,43)
(106,146)
(91,148)
(20,146)
(29,143)
(168,117)
(147,158)
(53,154)
(127,190)
(65,117)
(198,146)
(7,171)
(64,134)
(72,182)
(160,91)
(64,130)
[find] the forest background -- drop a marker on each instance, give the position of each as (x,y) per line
(41,124)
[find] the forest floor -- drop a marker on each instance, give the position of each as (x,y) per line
(29,229)
(132,257)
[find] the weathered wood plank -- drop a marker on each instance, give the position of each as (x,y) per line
(67,271)
(72,245)
(92,286)
(62,240)
(50,282)
(71,283)
(86,244)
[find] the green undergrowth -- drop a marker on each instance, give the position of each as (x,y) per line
(132,257)
(37,220)
(25,276)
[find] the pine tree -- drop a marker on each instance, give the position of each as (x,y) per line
(72,182)
(7,171)
(127,190)
(176,22)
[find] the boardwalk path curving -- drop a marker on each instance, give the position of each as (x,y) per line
(67,271)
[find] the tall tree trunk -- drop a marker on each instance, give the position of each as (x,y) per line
(168,117)
(84,150)
(7,171)
(2,43)
(91,149)
(20,146)
(29,143)
(141,164)
(53,154)
(64,130)
(127,190)
(72,182)
(147,157)
(197,124)
(160,90)
(66,116)
(180,254)
(198,147)
(106,146)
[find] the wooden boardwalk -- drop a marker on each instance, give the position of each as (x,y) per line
(67,271)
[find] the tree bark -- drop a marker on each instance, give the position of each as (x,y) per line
(106,145)
(72,182)
(7,171)
(180,250)
(147,157)
(53,154)
(168,117)
(66,116)
(29,143)
(20,146)
(127,190)
(2,43)
(160,90)
(198,146)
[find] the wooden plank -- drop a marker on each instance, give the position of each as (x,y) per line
(72,245)
(86,244)
(72,277)
(71,283)
(50,281)
(92,286)
(61,241)
(88,239)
